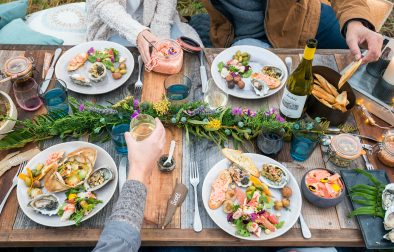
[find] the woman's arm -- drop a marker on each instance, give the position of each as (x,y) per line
(122,230)
(115,16)
(163,18)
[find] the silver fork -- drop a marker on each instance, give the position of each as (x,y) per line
(367,163)
(14,183)
(138,84)
(194,180)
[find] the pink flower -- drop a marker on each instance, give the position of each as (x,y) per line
(81,107)
(279,118)
(91,51)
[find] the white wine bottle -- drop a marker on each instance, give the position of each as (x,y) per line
(299,85)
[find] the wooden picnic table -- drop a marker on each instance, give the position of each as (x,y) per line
(330,227)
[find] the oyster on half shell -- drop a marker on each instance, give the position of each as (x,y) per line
(388,196)
(389,219)
(389,236)
(98,178)
(239,176)
(46,204)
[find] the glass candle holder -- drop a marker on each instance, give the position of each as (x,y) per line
(177,88)
(386,149)
(26,94)
(117,136)
(302,147)
(142,126)
(384,91)
(56,99)
(270,143)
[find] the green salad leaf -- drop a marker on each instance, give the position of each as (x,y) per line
(247,74)
(241,228)
(220,66)
(280,224)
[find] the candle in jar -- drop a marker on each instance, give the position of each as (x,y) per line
(388,75)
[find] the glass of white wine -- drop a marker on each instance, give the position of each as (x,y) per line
(215,97)
(142,126)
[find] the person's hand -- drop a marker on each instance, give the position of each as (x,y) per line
(143,44)
(143,155)
(359,35)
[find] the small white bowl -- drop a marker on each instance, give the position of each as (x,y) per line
(13,114)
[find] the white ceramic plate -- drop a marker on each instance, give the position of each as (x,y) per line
(259,57)
(105,193)
(220,218)
(105,86)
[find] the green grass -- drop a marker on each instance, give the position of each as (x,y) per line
(185,8)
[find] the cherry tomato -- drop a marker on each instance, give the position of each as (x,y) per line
(273,219)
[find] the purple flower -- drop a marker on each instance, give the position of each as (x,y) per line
(135,114)
(279,118)
(81,107)
(236,112)
(271,111)
(112,59)
(136,103)
(91,51)
(249,112)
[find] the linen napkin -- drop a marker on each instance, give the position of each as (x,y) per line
(16,158)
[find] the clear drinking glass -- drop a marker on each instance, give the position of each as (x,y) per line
(214,96)
(177,88)
(142,126)
(56,99)
(117,135)
(26,94)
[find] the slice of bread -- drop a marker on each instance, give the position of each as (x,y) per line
(241,160)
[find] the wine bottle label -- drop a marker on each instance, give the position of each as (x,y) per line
(292,105)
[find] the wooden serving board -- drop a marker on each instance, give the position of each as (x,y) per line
(161,184)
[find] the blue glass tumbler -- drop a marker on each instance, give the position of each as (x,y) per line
(117,135)
(56,99)
(302,147)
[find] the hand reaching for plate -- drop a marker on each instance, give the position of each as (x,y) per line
(144,154)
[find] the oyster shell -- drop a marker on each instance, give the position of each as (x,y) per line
(239,176)
(273,71)
(98,178)
(389,219)
(46,204)
(97,72)
(80,80)
(260,87)
(388,196)
(389,236)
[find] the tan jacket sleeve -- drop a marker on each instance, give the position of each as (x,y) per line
(352,9)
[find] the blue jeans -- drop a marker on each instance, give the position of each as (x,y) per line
(175,33)
(328,33)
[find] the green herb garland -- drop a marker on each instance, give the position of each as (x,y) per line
(195,117)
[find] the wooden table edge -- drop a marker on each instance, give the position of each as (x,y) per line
(180,237)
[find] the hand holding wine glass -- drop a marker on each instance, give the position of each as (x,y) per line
(144,154)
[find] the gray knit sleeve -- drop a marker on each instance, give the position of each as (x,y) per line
(130,205)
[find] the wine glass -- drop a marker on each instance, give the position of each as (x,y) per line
(142,126)
(215,97)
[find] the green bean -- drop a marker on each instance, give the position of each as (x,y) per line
(363,186)
(364,202)
(361,190)
(363,195)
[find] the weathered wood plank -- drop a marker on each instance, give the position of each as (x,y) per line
(162,184)
(181,237)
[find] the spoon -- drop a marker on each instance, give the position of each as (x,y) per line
(172,148)
(306,232)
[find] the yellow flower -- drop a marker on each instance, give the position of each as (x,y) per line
(162,106)
(120,103)
(213,125)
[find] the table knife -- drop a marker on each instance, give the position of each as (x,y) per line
(203,73)
(50,72)
(122,172)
